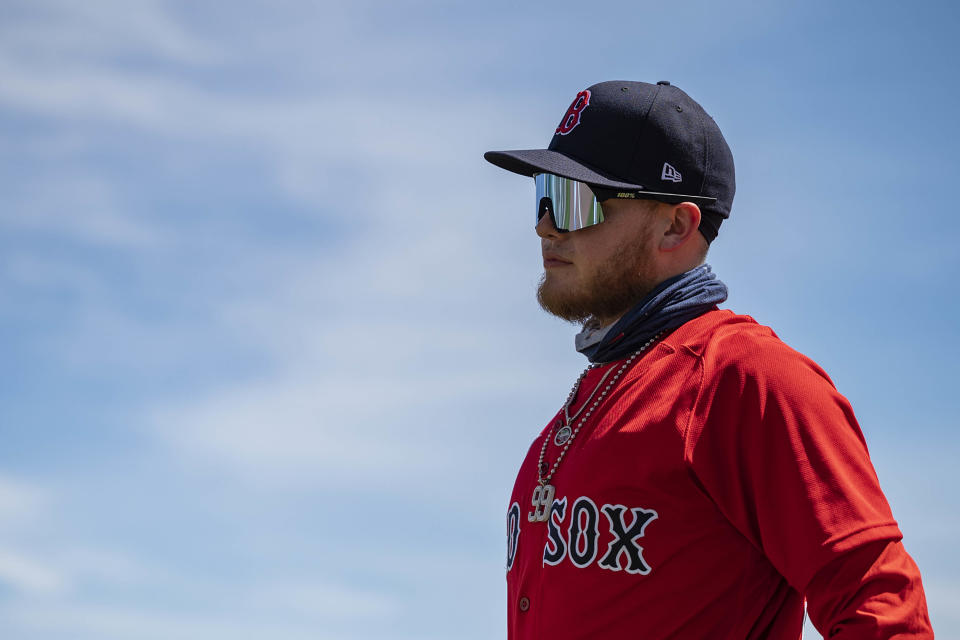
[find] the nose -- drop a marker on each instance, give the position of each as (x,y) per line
(545,228)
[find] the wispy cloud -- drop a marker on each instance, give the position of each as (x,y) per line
(27,574)
(291,609)
(86,208)
(91,620)
(19,500)
(343,425)
(322,601)
(309,136)
(23,508)
(55,30)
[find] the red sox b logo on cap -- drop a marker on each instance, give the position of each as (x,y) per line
(572,117)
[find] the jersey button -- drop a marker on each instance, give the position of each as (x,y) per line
(524,603)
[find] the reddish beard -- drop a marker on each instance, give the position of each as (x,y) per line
(616,286)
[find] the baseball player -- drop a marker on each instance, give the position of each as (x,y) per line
(702,479)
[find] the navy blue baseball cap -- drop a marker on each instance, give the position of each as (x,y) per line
(652,139)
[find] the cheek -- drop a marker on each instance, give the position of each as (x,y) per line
(598,253)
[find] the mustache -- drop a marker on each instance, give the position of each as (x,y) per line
(550,252)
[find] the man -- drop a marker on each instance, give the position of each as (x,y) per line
(702,479)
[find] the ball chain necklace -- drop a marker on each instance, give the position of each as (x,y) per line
(543,492)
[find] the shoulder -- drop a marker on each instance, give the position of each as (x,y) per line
(736,347)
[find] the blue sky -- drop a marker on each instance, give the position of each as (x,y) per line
(271,352)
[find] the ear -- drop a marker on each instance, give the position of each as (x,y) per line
(684,219)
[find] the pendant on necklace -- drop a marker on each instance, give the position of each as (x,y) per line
(563,434)
(542,501)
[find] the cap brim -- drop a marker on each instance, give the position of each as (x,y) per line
(530,161)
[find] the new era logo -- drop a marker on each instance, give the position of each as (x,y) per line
(669,173)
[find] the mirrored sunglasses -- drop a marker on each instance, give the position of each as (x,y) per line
(574,205)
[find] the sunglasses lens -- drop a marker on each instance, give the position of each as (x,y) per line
(571,204)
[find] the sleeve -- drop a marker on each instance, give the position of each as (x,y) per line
(873,591)
(780,453)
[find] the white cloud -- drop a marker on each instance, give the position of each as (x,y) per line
(310,138)
(56,30)
(18,500)
(86,565)
(355,427)
(266,608)
(303,133)
(52,566)
(88,620)
(367,349)
(27,574)
(21,507)
(322,600)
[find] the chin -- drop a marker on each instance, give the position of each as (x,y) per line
(562,301)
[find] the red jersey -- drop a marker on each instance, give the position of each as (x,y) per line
(701,498)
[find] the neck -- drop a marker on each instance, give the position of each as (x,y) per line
(670,304)
(601,323)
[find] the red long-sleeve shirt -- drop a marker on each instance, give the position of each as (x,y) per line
(721,482)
